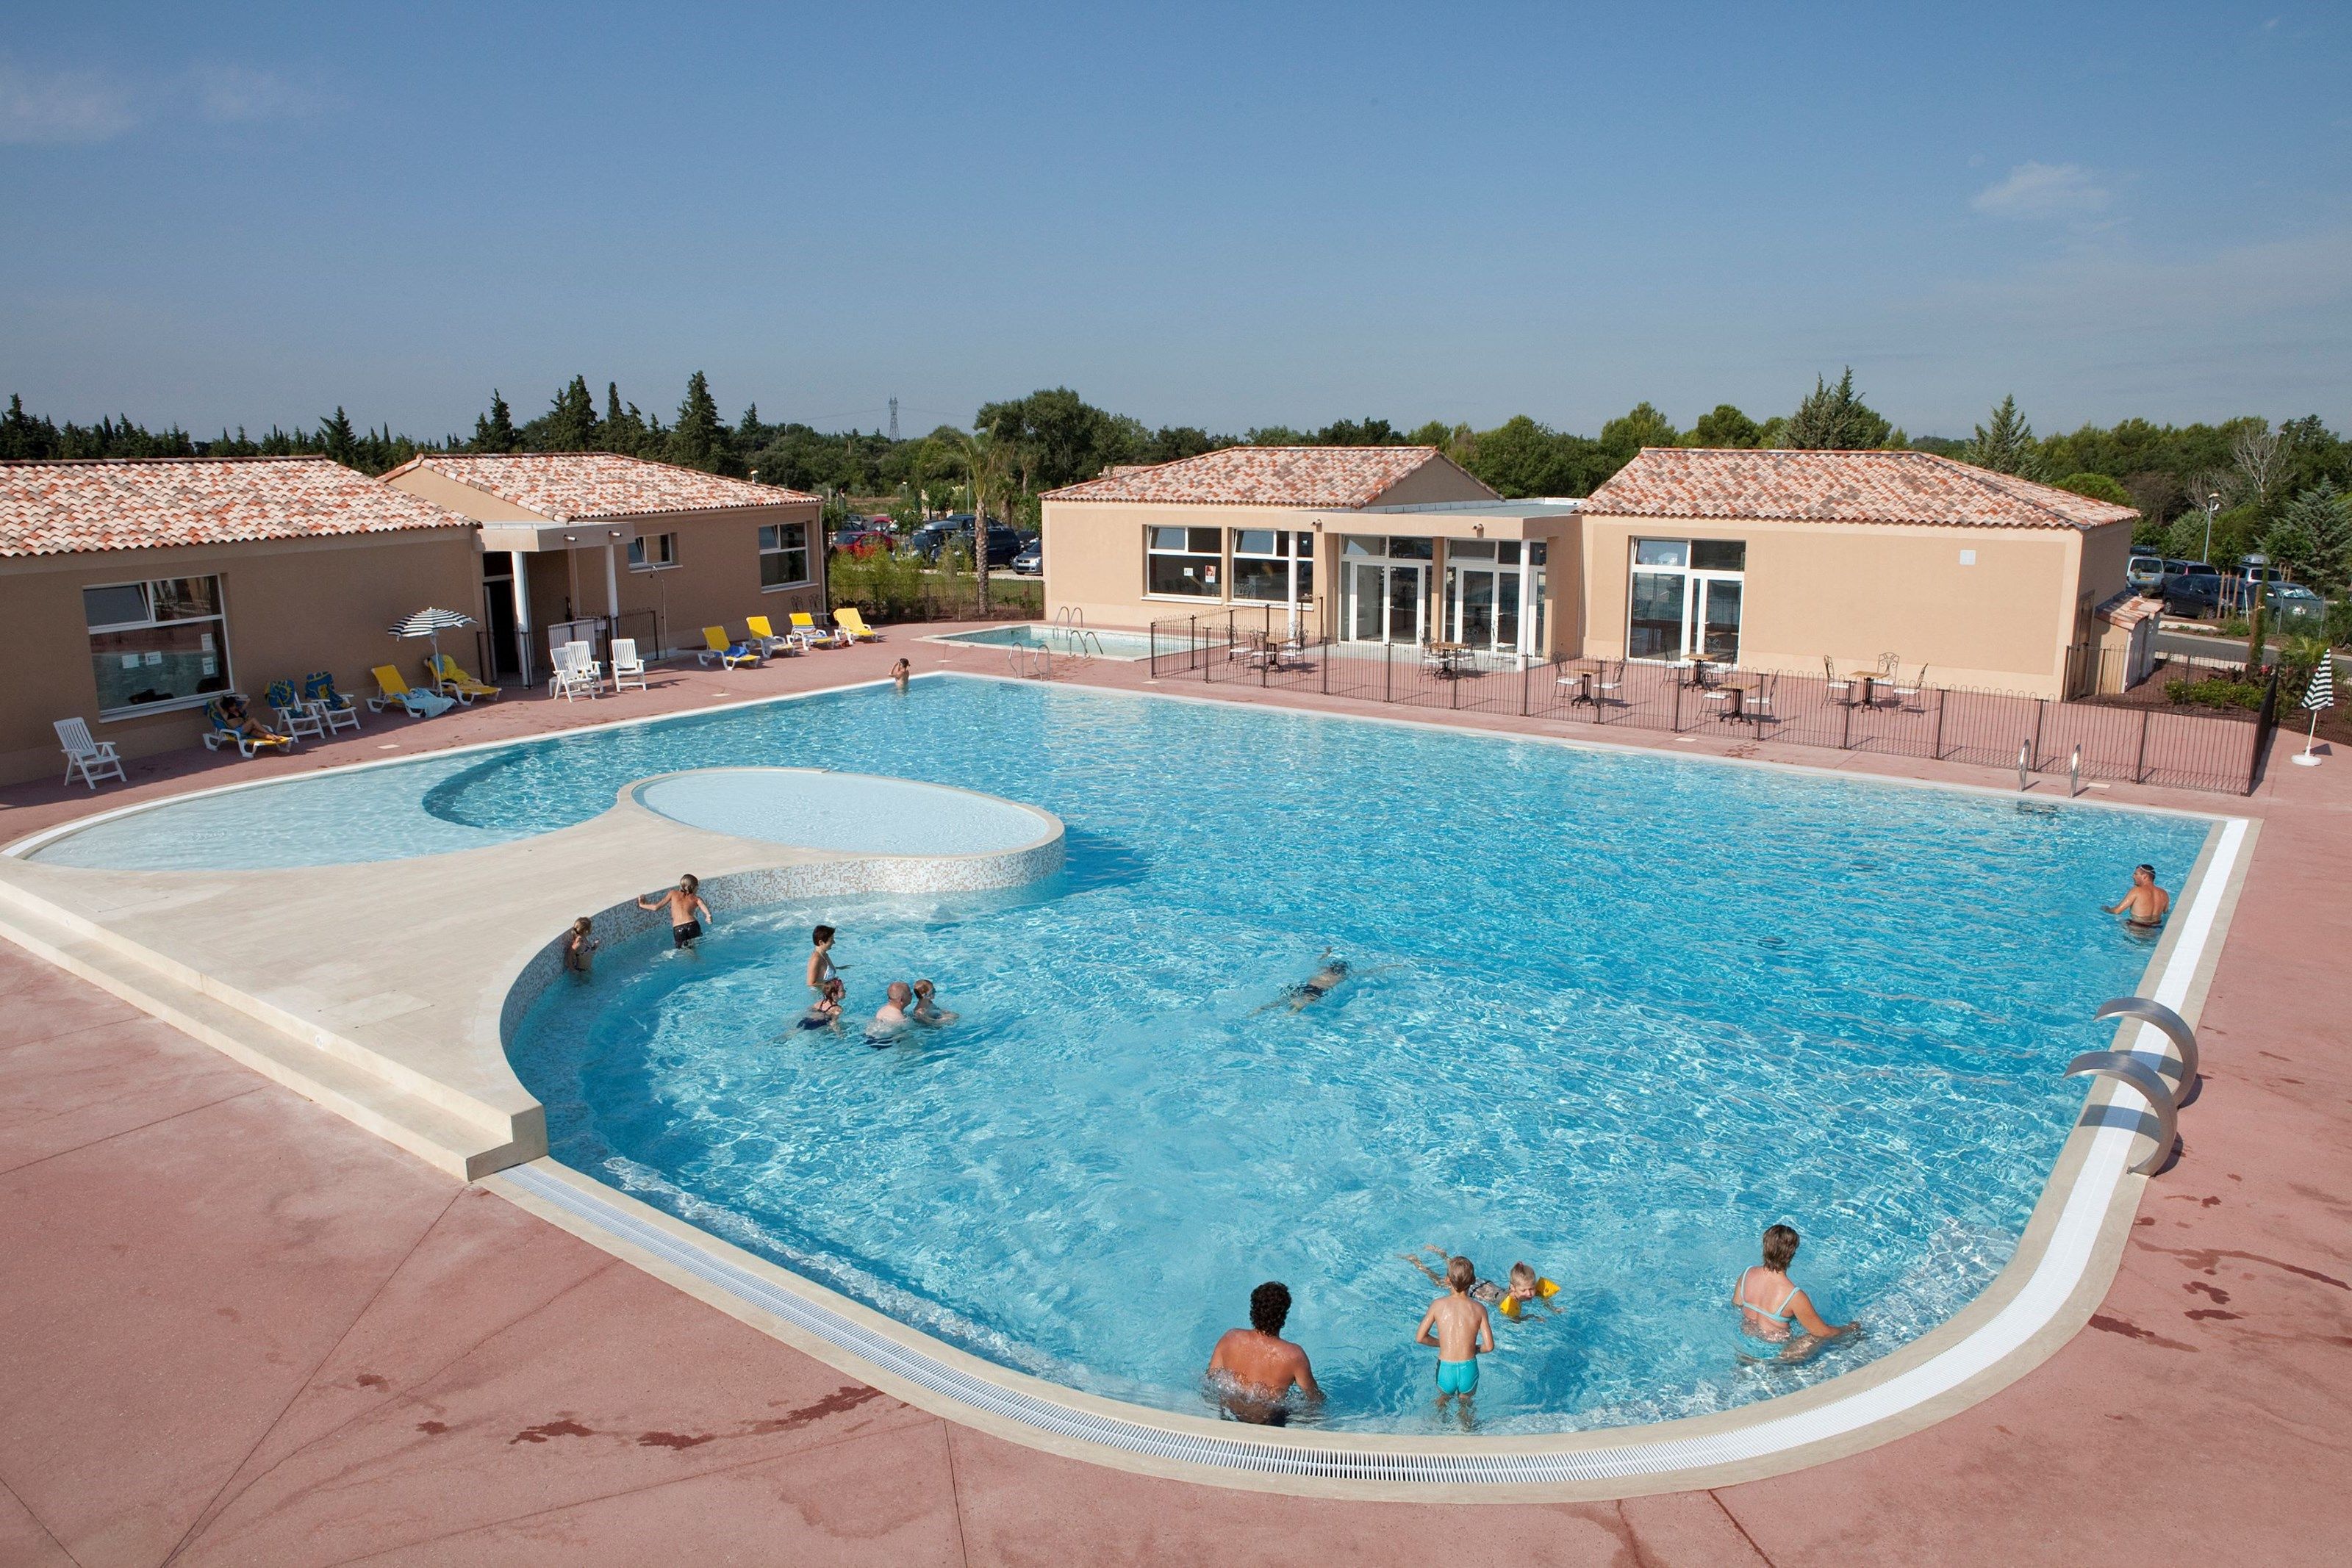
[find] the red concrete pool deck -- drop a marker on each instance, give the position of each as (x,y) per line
(241,1330)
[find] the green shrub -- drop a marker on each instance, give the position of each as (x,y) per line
(2218,691)
(2097,486)
(884,584)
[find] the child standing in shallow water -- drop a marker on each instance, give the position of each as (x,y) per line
(1460,1329)
(579,947)
(826,1011)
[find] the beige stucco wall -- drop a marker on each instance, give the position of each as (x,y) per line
(714,582)
(1854,592)
(293,606)
(1094,557)
(1094,554)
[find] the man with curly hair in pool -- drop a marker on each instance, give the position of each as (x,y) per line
(1252,1370)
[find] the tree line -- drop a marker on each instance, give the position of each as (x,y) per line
(2243,482)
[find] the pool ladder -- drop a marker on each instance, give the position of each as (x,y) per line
(1029,664)
(2143,1074)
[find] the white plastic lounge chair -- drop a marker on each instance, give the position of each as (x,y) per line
(337,710)
(93,759)
(583,659)
(297,715)
(565,678)
(627,668)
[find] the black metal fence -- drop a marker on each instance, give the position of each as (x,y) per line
(2139,743)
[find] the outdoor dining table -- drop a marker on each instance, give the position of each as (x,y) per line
(1450,657)
(1584,690)
(1735,698)
(1868,681)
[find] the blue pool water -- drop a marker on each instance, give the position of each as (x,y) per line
(1615,1014)
(852,813)
(1060,639)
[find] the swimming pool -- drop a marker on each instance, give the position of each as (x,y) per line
(1123,647)
(1613,1013)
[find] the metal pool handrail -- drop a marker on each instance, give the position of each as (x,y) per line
(2135,1072)
(2175,1028)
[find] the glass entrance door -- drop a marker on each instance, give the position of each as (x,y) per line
(1384,602)
(1366,597)
(1406,604)
(1470,618)
(1715,617)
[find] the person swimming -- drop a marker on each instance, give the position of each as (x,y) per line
(1329,976)
(1528,1291)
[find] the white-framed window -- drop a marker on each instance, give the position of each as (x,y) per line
(1685,599)
(651,552)
(1272,565)
(784,555)
(157,644)
(1183,562)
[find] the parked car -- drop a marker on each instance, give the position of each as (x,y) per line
(2178,571)
(861,542)
(2192,594)
(2144,571)
(929,539)
(2295,605)
(1031,560)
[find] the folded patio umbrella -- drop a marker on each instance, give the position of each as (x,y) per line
(2319,694)
(431,624)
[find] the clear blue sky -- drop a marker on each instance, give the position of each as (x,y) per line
(1214,217)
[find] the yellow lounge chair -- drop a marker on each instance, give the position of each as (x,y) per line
(804,628)
(847,619)
(763,632)
(394,692)
(717,650)
(455,683)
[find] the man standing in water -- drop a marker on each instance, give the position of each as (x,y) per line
(1254,1369)
(2145,904)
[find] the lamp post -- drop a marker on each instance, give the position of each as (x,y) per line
(2212,505)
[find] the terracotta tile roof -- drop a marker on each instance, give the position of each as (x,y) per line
(1839,487)
(150,503)
(1338,477)
(563,486)
(2129,609)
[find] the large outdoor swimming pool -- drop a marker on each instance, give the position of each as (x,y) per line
(1615,1014)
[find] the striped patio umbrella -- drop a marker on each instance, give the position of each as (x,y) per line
(432,624)
(2319,694)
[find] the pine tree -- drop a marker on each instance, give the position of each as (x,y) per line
(2313,536)
(1835,419)
(495,431)
(2007,445)
(571,421)
(338,440)
(699,440)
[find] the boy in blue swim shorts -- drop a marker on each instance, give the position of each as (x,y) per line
(1457,1325)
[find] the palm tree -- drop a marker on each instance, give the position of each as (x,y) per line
(988,465)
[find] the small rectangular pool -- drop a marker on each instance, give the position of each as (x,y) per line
(1126,647)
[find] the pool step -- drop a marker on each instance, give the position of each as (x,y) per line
(461,1145)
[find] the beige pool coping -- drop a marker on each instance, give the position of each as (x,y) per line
(372,989)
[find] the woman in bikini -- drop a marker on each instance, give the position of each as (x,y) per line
(1776,1320)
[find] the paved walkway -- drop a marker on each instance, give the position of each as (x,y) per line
(240,1331)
